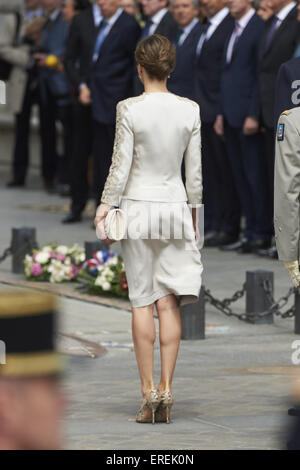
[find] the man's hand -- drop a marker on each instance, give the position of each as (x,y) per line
(85,95)
(219,126)
(293,268)
(40,59)
(251,126)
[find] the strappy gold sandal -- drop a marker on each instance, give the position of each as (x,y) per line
(151,400)
(163,411)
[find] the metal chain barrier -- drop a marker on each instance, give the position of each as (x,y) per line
(5,254)
(275,306)
(224,305)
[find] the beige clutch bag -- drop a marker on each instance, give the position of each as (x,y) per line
(115,225)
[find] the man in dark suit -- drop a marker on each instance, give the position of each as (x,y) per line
(239,122)
(111,81)
(280,39)
(185,14)
(222,211)
(55,101)
(160,21)
(78,65)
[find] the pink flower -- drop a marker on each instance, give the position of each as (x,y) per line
(36,269)
(75,271)
(52,254)
(60,257)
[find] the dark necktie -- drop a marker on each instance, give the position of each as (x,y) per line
(180,33)
(146,30)
(236,33)
(203,38)
(100,38)
(273,28)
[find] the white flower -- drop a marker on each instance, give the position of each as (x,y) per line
(106,285)
(58,271)
(28,259)
(47,248)
(99,281)
(113,261)
(62,249)
(27,270)
(42,257)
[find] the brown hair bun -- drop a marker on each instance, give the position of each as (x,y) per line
(157,55)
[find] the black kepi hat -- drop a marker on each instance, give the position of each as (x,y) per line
(27,335)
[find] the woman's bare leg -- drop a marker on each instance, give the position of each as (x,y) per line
(143,334)
(169,337)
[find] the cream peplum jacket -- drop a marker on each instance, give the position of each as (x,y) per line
(154,133)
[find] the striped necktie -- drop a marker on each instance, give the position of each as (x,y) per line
(147,28)
(272,30)
(101,36)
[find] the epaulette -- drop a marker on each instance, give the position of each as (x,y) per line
(286,113)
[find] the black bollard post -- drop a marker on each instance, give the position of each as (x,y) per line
(23,242)
(257,301)
(193,319)
(297,313)
(92,247)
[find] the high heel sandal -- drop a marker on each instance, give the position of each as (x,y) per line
(151,401)
(163,411)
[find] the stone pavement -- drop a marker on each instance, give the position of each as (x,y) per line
(232,390)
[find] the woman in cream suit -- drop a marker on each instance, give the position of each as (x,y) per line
(154,133)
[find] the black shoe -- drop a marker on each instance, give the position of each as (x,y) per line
(71,219)
(211,239)
(234,246)
(261,245)
(15,184)
(295,411)
(210,234)
(268,253)
(226,239)
(246,247)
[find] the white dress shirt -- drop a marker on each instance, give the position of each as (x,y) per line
(283,14)
(214,23)
(186,31)
(97,14)
(54,14)
(157,19)
(240,26)
(285,11)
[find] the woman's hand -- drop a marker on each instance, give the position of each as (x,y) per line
(101,213)
(195,224)
(219,126)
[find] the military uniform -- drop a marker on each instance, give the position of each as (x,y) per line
(28,330)
(287,186)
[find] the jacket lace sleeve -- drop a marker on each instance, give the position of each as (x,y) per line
(121,158)
(193,164)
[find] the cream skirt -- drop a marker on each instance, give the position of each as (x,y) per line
(160,253)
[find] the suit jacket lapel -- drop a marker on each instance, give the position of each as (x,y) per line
(243,37)
(189,37)
(111,33)
(90,23)
(284,24)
